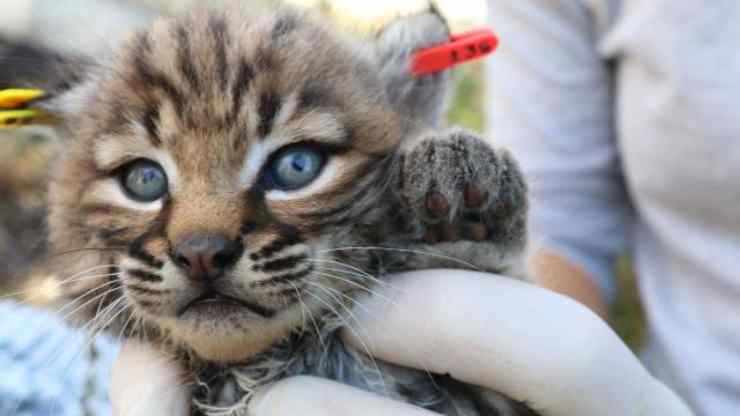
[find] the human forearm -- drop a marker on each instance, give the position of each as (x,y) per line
(556,272)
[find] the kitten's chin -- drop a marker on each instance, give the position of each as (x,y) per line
(232,348)
(231,340)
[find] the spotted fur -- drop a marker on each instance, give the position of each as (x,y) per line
(211,97)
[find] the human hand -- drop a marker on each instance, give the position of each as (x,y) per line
(526,342)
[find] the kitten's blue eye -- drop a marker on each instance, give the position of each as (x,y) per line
(295,167)
(144,180)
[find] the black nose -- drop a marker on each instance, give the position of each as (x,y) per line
(206,256)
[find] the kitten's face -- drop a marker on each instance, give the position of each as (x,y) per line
(216,164)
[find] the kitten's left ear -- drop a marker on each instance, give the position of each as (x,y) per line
(420,98)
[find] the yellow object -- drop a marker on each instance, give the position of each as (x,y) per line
(14,112)
(17,97)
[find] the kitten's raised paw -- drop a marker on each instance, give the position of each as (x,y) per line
(457,187)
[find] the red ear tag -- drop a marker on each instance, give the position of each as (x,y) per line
(461,48)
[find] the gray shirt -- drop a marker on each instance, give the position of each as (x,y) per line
(626,117)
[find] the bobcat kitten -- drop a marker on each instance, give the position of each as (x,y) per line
(229,172)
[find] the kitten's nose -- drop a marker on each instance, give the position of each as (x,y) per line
(206,256)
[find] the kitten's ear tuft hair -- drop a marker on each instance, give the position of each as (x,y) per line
(420,98)
(68,91)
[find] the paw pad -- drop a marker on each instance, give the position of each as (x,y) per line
(474,196)
(437,205)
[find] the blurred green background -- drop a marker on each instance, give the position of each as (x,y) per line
(25,155)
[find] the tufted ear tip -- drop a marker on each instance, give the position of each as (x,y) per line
(419,98)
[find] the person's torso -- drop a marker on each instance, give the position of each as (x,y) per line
(677,89)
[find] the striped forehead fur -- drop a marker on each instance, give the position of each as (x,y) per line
(214,76)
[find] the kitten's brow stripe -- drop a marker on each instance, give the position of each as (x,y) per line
(150,121)
(103,209)
(152,77)
(185,58)
(217,25)
(244,78)
(145,276)
(97,208)
(284,25)
(268,107)
(313,97)
(264,59)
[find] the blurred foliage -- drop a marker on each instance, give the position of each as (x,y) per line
(627,316)
(466,101)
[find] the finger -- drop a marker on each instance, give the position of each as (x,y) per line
(145,383)
(311,396)
(526,342)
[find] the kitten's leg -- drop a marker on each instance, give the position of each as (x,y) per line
(464,200)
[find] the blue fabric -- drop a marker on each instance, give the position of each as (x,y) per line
(46,367)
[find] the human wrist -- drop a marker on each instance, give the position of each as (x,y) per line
(559,274)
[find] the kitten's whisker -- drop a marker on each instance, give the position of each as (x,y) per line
(122,300)
(93,299)
(79,298)
(122,333)
(95,331)
(353,330)
(79,250)
(358,304)
(57,281)
(82,296)
(363,277)
(96,267)
(357,285)
(57,352)
(349,298)
(356,270)
(90,327)
(404,250)
(303,306)
(92,331)
(395,304)
(310,314)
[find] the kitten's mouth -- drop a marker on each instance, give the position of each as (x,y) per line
(219,305)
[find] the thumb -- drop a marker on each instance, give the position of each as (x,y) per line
(146,383)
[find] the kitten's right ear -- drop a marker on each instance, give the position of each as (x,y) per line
(419,98)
